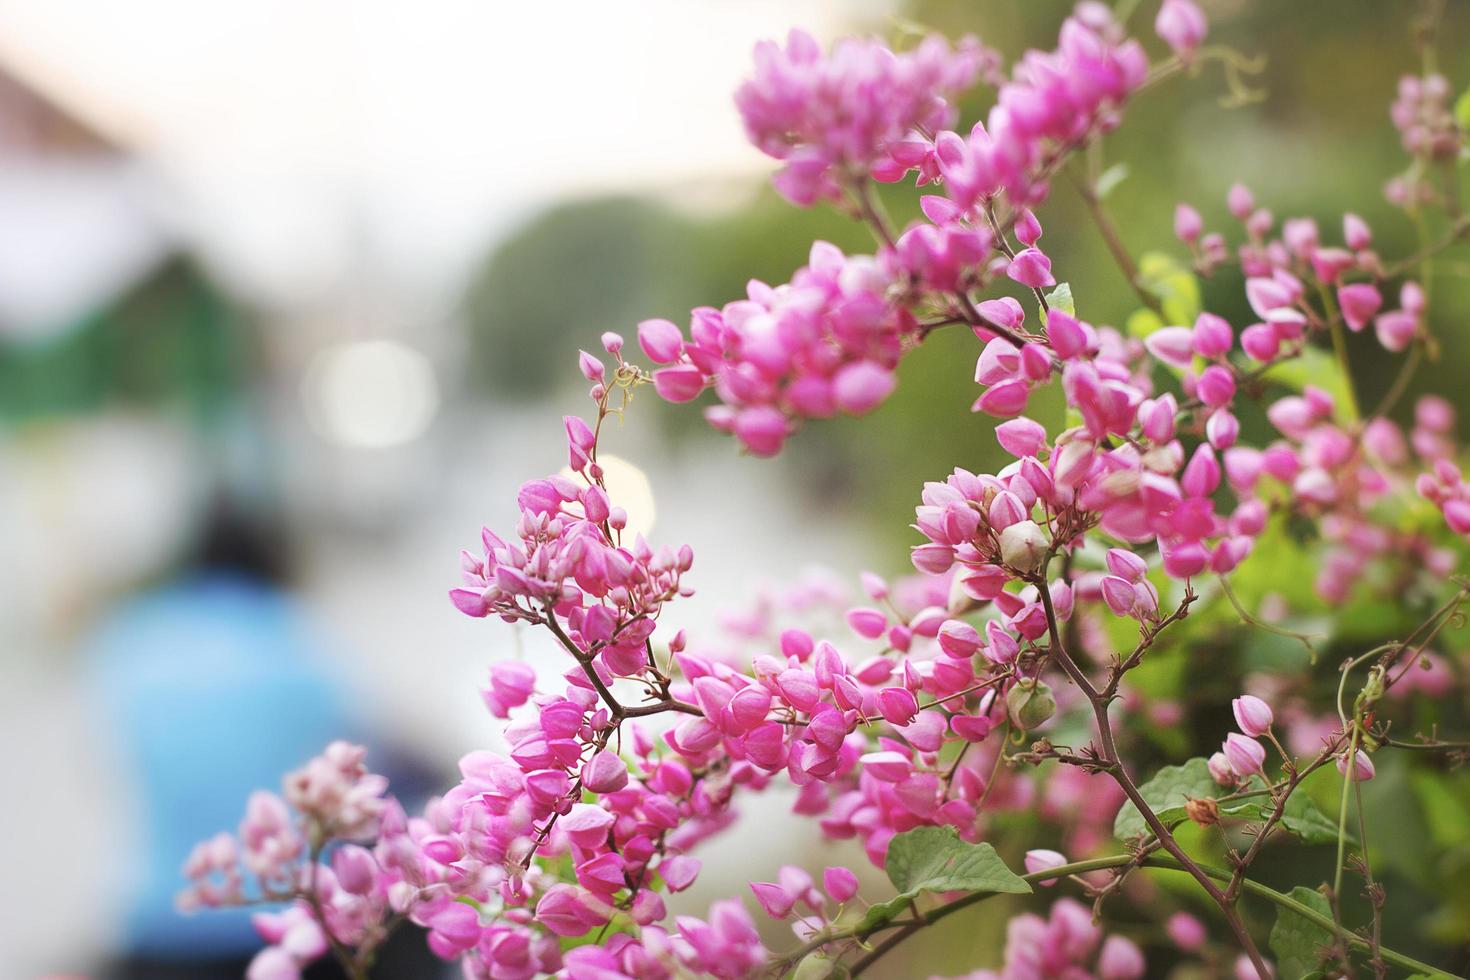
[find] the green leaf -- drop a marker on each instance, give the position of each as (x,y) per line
(1462,110)
(818,966)
(1109,179)
(1166,794)
(1173,283)
(935,859)
(1297,942)
(1061,299)
(1304,817)
(1141,323)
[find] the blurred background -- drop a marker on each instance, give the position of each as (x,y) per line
(290,301)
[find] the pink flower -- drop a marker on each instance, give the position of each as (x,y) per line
(1359,301)
(1043,860)
(1120,960)
(1252,715)
(1245,755)
(1187,224)
(1031,268)
(660,340)
(1362,766)
(1182,25)
(1186,932)
(840,884)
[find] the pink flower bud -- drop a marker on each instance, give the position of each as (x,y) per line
(1182,26)
(1245,755)
(1222,429)
(1021,436)
(591,367)
(1260,342)
(1396,329)
(1031,268)
(1457,515)
(1355,232)
(1044,860)
(1412,298)
(897,705)
(355,869)
(867,622)
(1212,335)
(1004,400)
(1185,560)
(959,639)
(648,908)
(840,884)
(1186,932)
(1362,766)
(1156,416)
(1118,594)
(774,900)
(1216,385)
(1125,564)
(604,773)
(1252,715)
(1035,362)
(681,383)
(1220,769)
(1120,959)
(1202,476)
(1246,970)
(679,872)
(1066,335)
(1359,302)
(1000,646)
(1028,229)
(1172,345)
(1240,201)
(859,388)
(661,341)
(1006,509)
(1187,224)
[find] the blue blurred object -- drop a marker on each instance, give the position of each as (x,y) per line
(213,687)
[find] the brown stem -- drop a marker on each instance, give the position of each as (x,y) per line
(352,965)
(1115,245)
(1119,772)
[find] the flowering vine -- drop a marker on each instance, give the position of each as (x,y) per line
(1040,588)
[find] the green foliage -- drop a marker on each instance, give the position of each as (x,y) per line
(1462,110)
(935,859)
(1061,299)
(1174,283)
(818,966)
(1172,786)
(1297,942)
(1166,794)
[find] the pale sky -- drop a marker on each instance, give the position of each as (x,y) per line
(293,131)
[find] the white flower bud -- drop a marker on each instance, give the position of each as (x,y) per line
(1023,546)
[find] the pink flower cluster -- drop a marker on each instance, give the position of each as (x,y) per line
(826,342)
(1067,945)
(833,117)
(614,773)
(1054,102)
(332,797)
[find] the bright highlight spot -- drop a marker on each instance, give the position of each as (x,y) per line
(628,487)
(370,394)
